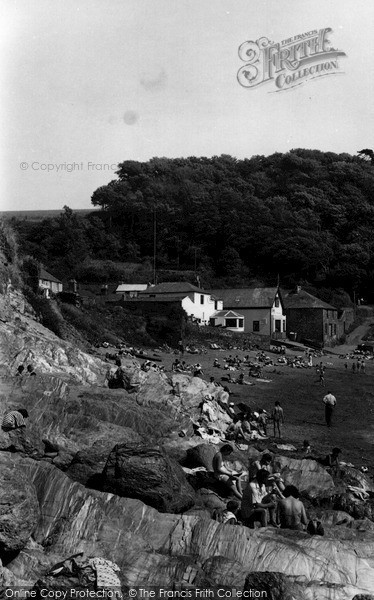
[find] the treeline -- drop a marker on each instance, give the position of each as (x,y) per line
(301,216)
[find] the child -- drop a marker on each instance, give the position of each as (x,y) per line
(229,516)
(278,418)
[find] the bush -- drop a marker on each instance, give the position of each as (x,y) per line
(45,310)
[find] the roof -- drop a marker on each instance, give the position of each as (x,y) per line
(175,287)
(229,314)
(169,298)
(302,299)
(247,297)
(43,274)
(131,287)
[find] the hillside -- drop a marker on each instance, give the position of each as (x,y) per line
(304,216)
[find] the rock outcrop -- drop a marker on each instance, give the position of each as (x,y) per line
(154,549)
(19,509)
(307,475)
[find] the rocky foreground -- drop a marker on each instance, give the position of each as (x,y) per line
(111,473)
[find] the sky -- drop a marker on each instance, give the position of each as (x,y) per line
(87,84)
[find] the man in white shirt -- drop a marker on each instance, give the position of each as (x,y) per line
(330,402)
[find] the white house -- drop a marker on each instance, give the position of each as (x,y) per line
(229,319)
(48,283)
(197,303)
(130,290)
(262,309)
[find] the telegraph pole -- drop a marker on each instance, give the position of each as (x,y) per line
(154,244)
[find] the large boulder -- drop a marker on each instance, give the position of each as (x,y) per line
(307,475)
(147,473)
(202,456)
(357,508)
(352,476)
(88,464)
(19,508)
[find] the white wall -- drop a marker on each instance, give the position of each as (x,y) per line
(192,305)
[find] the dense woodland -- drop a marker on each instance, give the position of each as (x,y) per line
(304,216)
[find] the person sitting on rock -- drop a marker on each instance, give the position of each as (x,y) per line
(30,370)
(228,516)
(332,461)
(256,503)
(14,419)
(235,430)
(223,473)
(275,481)
(20,370)
(290,510)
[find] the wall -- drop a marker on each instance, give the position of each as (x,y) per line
(256,314)
(192,306)
(306,322)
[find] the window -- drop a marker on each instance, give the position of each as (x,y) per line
(230,322)
(241,323)
(277,324)
(326,328)
(277,302)
(256,325)
(334,328)
(330,330)
(215,305)
(284,326)
(201,299)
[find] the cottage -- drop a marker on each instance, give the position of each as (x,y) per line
(130,290)
(312,320)
(261,308)
(229,319)
(48,284)
(197,303)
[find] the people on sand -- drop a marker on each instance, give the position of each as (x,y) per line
(278,418)
(224,474)
(14,419)
(256,504)
(290,510)
(330,402)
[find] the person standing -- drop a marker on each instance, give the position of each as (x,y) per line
(330,402)
(278,418)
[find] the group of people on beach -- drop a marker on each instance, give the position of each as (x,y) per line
(265,499)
